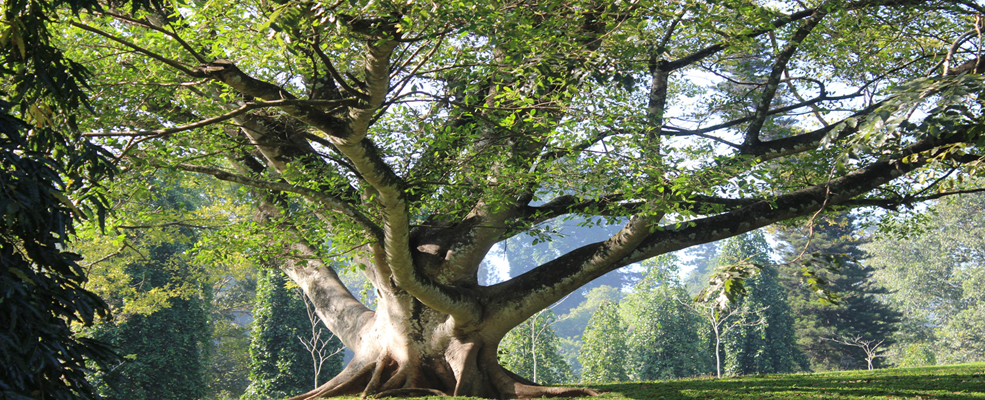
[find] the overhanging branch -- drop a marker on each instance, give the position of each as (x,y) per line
(331,202)
(551,281)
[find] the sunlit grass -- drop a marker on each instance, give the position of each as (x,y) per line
(963,381)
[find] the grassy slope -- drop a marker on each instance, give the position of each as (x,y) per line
(965,381)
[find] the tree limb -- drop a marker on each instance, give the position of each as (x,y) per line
(776,74)
(547,283)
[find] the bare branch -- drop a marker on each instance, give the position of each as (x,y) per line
(171,63)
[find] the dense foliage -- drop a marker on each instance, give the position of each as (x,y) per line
(280,365)
(605,350)
(165,352)
(935,277)
(666,340)
(43,286)
(765,342)
(42,164)
(859,311)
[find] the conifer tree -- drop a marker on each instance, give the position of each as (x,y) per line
(860,313)
(770,346)
(665,336)
(280,366)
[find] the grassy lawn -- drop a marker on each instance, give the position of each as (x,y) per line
(965,381)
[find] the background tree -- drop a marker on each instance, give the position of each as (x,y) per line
(280,365)
(934,277)
(721,321)
(859,313)
(231,312)
(229,368)
(166,350)
(571,326)
(770,346)
(703,266)
(325,349)
(605,352)
(532,350)
(665,342)
(414,137)
(156,266)
(873,348)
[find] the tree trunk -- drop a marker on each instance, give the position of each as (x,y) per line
(410,349)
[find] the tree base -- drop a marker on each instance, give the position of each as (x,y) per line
(387,378)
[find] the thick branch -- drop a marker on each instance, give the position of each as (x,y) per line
(776,74)
(551,281)
(515,300)
(341,312)
(219,118)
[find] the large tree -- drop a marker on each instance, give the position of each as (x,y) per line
(417,135)
(764,342)
(935,279)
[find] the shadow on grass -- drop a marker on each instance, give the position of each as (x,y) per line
(965,381)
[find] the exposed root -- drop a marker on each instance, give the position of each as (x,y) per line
(533,392)
(410,392)
(382,376)
(352,380)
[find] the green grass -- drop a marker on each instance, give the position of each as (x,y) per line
(965,381)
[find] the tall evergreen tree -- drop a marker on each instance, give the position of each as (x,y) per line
(603,356)
(280,365)
(768,347)
(860,312)
(571,326)
(665,335)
